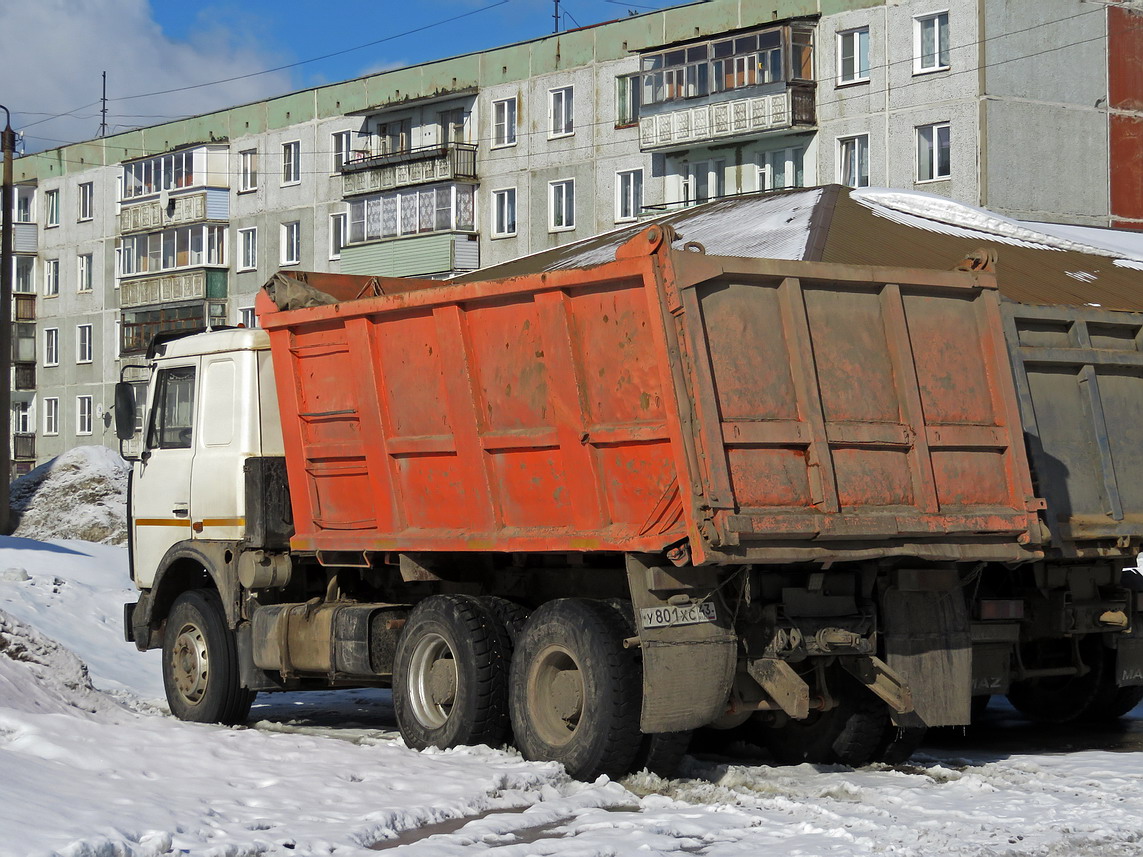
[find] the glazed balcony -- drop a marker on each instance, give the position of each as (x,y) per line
(369,173)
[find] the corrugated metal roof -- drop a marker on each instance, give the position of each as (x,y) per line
(826,224)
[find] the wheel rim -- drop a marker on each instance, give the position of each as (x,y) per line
(190,663)
(557,692)
(432,681)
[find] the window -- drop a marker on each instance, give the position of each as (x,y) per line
(341,144)
(627,99)
(247,249)
(83,414)
(52,346)
(291,242)
(165,172)
(853,56)
(562,205)
(504,212)
(171,419)
(51,277)
(248,170)
(53,205)
(396,135)
(25,208)
(86,201)
(22,417)
(853,160)
(504,122)
(628,195)
(452,125)
(934,155)
(51,416)
(336,234)
(246,317)
(931,42)
(25,279)
(781,168)
(83,345)
(560,122)
(84,268)
(410,211)
(24,343)
(704,181)
(181,247)
(291,165)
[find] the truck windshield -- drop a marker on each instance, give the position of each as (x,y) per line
(174,409)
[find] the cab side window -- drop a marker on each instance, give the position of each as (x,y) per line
(174,409)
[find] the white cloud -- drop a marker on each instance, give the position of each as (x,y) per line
(55,50)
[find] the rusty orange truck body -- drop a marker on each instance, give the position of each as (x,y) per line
(595,509)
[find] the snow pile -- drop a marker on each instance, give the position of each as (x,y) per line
(81,494)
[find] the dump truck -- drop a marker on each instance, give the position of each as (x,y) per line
(589,511)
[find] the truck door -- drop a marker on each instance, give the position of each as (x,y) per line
(161,485)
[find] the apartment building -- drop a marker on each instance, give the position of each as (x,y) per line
(1029,109)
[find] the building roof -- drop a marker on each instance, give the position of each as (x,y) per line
(1036,263)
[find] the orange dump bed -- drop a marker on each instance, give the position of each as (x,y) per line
(720,409)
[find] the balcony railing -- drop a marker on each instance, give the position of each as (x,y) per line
(186,285)
(23,376)
(24,308)
(23,445)
(704,123)
(163,212)
(369,173)
(24,238)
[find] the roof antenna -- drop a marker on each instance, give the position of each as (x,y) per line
(103,110)
(556,16)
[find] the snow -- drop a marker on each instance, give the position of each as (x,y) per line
(90,482)
(93,767)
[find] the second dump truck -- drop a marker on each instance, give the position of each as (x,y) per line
(594,509)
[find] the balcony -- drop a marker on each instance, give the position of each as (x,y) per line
(23,446)
(24,238)
(368,173)
(167,211)
(23,376)
(24,308)
(721,120)
(182,286)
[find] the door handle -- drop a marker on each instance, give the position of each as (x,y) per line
(182,510)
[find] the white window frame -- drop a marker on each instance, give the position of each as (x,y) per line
(849,164)
(940,50)
(628,92)
(86,201)
(793,161)
(84,272)
(561,110)
(291,249)
(22,418)
(341,145)
(338,233)
(291,163)
(504,200)
(858,39)
(929,135)
(51,346)
(51,416)
(246,317)
(504,123)
(628,195)
(51,278)
(84,343)
(561,205)
(27,265)
(247,170)
(84,415)
(51,208)
(247,261)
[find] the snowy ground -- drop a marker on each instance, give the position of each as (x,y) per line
(87,773)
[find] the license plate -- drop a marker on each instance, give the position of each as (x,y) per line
(687,614)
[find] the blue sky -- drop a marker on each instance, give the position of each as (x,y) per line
(244,49)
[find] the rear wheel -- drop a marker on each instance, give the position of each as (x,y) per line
(1111,701)
(575,690)
(200,662)
(661,752)
(450,675)
(1062,699)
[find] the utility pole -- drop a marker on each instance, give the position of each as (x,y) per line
(103,109)
(556,28)
(8,143)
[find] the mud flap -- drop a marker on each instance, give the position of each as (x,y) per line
(687,668)
(928,643)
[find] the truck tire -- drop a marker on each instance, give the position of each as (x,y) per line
(661,752)
(200,662)
(575,691)
(898,743)
(1062,699)
(450,675)
(852,733)
(1111,701)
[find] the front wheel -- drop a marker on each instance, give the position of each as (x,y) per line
(200,662)
(450,675)
(575,691)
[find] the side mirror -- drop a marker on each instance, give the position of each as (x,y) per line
(124,410)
